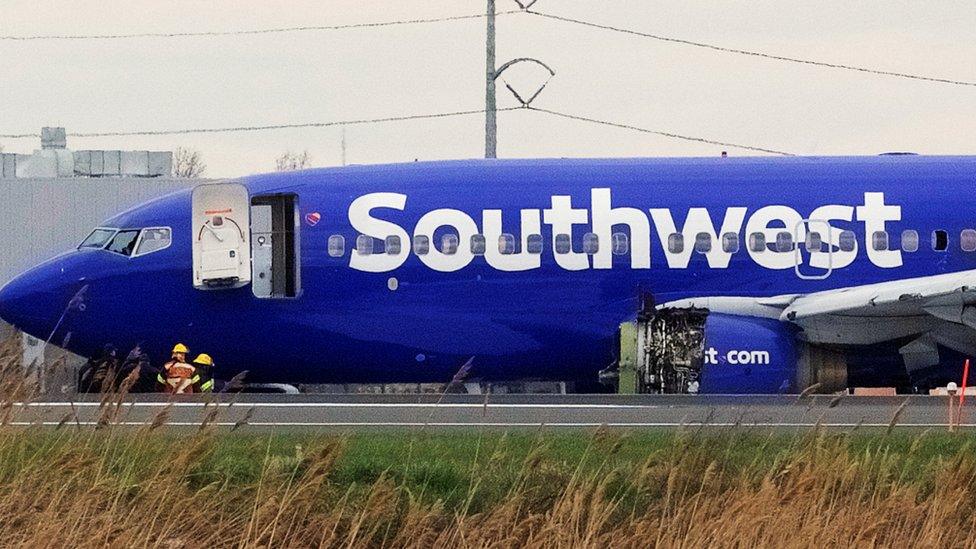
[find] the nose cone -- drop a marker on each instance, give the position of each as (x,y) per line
(35,300)
(6,304)
(7,294)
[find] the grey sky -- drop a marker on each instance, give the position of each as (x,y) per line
(334,75)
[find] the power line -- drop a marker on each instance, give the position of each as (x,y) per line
(362,121)
(753,53)
(275,30)
(659,132)
(237,129)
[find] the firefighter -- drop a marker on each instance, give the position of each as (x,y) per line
(203,380)
(179,353)
(98,370)
(177,374)
(147,375)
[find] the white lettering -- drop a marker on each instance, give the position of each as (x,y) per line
(605,217)
(770,221)
(465,226)
(698,221)
(874,213)
(521,261)
(836,258)
(363,222)
(737,357)
(562,216)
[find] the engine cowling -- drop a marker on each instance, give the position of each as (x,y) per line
(748,355)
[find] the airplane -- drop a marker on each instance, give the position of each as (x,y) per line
(766,274)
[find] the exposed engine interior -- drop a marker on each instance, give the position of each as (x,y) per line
(670,350)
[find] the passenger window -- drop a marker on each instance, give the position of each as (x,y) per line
(563,244)
(847,241)
(421,244)
(784,241)
(909,240)
(940,241)
(703,243)
(730,243)
(757,242)
(591,243)
(619,243)
(676,243)
(153,240)
(337,245)
(879,241)
(364,244)
(98,238)
(478,244)
(124,242)
(393,245)
(506,244)
(814,242)
(449,244)
(967,240)
(534,244)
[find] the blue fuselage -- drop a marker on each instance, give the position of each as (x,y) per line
(555,317)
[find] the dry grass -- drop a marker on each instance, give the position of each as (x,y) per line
(120,487)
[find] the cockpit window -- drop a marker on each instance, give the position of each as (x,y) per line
(124,242)
(153,240)
(98,239)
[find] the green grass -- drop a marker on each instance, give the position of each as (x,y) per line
(121,486)
(703,487)
(453,467)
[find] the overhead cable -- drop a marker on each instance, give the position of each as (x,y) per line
(245,32)
(238,129)
(763,55)
(363,121)
(659,132)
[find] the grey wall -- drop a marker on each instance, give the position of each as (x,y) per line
(40,218)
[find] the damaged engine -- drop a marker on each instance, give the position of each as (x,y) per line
(696,351)
(670,350)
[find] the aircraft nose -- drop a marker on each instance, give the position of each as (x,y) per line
(7,297)
(34,300)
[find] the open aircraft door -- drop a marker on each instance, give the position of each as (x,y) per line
(221,236)
(813,249)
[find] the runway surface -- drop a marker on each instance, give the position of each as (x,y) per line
(506,412)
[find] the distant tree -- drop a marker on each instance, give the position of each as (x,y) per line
(188,163)
(289,161)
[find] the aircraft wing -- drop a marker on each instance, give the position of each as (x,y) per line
(934,310)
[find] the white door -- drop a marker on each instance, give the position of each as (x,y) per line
(221,236)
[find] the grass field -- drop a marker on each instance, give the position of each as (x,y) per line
(124,487)
(153,487)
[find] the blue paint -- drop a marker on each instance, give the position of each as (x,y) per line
(547,323)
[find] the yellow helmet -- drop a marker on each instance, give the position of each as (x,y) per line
(180,348)
(203,358)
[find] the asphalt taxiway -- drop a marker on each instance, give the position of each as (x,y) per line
(353,412)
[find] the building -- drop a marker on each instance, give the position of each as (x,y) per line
(54,160)
(53,197)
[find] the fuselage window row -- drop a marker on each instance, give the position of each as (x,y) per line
(846,241)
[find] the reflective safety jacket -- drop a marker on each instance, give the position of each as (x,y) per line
(203,385)
(203,379)
(177,377)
